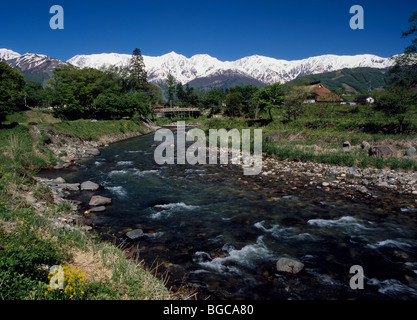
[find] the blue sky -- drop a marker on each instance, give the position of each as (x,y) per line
(227,30)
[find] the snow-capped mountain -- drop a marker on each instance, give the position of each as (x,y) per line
(99,61)
(6,54)
(264,69)
(30,63)
(261,69)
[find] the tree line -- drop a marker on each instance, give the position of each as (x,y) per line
(75,93)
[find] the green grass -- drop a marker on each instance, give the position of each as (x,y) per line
(20,153)
(88,130)
(319,134)
(38,116)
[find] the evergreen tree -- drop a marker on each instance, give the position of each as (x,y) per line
(138,73)
(180,94)
(171,84)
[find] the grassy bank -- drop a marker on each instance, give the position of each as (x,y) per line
(30,241)
(319,134)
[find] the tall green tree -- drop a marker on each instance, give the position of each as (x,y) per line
(399,103)
(214,99)
(139,75)
(294,101)
(34,94)
(171,85)
(234,103)
(12,86)
(181,95)
(269,98)
(191,98)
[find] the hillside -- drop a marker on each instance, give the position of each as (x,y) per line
(225,79)
(354,80)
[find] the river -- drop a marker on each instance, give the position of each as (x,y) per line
(209,231)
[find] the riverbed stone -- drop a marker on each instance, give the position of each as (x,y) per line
(59,166)
(362,190)
(135,234)
(289,265)
(99,201)
(89,186)
(60,180)
(92,152)
(69,186)
(98,209)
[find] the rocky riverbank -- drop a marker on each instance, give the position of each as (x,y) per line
(281,178)
(69,149)
(376,186)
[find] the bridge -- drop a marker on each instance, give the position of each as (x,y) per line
(162,112)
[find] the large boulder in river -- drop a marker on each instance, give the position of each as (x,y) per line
(89,186)
(99,201)
(289,265)
(135,234)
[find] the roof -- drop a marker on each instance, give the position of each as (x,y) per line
(322,94)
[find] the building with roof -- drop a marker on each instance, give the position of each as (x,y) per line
(319,93)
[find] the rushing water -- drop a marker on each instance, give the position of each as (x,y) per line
(225,238)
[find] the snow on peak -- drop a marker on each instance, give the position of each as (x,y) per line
(100,60)
(6,54)
(265,69)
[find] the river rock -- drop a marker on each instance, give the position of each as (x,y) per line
(365,145)
(346,146)
(69,186)
(410,153)
(89,186)
(92,152)
(99,201)
(362,190)
(289,265)
(59,166)
(135,234)
(98,209)
(380,151)
(59,180)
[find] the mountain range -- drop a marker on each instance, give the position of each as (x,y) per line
(202,70)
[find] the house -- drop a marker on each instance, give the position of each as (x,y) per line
(319,93)
(365,100)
